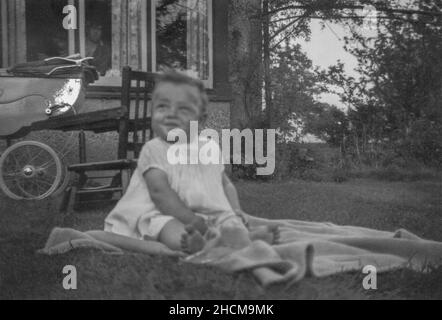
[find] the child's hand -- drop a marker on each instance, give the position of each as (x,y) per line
(199,224)
(242,215)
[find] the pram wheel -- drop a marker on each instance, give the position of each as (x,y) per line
(30,170)
(65,180)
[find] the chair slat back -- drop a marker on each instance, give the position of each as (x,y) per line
(135,126)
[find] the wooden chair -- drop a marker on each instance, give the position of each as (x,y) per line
(134,130)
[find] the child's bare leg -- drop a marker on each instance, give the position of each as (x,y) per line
(131,244)
(269,234)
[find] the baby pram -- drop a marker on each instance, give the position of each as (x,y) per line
(32,94)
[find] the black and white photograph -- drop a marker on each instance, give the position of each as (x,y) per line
(241,151)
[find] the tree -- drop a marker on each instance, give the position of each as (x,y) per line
(245,61)
(328,123)
(397,98)
(287,19)
(295,86)
(399,88)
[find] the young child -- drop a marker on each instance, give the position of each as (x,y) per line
(175,204)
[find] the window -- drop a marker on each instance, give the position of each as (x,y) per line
(183,32)
(147,35)
(114,32)
(31,30)
(45,36)
(97,37)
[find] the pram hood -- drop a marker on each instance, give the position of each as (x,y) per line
(56,67)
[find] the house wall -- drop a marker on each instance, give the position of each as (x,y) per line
(221,91)
(104,146)
(219,111)
(220,95)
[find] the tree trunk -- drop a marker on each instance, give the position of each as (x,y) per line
(267,61)
(245,63)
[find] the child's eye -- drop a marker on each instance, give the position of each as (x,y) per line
(186,109)
(160,106)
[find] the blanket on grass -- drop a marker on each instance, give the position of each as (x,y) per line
(305,249)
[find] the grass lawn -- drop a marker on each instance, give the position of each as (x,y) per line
(24,228)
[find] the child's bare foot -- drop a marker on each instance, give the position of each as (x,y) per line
(269,234)
(276,232)
(192,241)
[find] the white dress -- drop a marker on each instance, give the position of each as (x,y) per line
(199,186)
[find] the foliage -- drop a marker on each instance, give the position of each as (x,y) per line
(294,88)
(328,123)
(394,107)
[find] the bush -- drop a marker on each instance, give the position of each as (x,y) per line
(323,163)
(340,175)
(291,161)
(395,173)
(423,143)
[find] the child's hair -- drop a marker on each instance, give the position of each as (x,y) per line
(172,76)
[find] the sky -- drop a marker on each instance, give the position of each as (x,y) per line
(325,48)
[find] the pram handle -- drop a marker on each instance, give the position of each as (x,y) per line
(70,59)
(78,62)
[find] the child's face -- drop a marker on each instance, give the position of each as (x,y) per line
(174,107)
